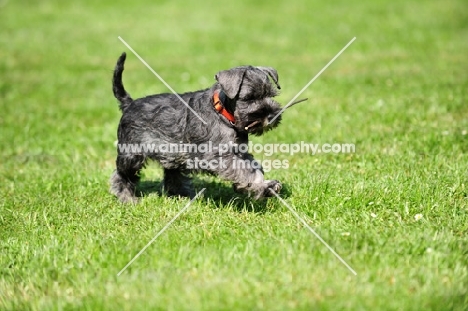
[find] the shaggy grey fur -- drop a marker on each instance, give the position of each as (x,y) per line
(163,119)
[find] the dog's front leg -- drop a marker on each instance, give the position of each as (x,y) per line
(247,176)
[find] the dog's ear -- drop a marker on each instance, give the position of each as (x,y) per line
(231,80)
(270,71)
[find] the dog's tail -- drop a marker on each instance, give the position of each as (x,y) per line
(117,86)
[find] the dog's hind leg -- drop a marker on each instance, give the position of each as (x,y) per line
(178,183)
(126,176)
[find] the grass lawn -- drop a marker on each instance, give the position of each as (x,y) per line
(396,210)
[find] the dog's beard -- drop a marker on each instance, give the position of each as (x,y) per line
(262,127)
(261,117)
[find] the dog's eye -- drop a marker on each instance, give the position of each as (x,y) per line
(248,97)
(261,113)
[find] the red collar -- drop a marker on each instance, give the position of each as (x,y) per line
(218,105)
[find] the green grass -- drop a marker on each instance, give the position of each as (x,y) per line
(399,93)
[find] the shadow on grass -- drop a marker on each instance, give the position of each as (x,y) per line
(219,194)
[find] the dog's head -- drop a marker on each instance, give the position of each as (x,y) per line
(250,91)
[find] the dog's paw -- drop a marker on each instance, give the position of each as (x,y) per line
(128,200)
(273,186)
(240,188)
(261,190)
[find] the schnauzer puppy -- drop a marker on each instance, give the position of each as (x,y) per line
(239,104)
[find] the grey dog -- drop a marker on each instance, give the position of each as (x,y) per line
(238,104)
